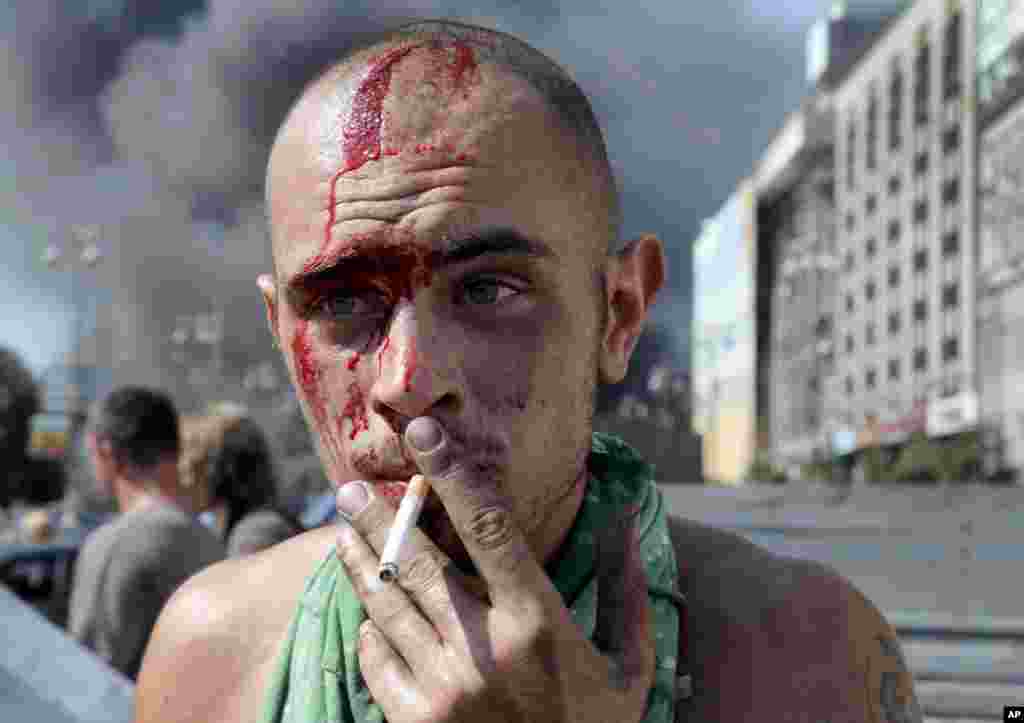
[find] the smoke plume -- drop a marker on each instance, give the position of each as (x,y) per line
(156,127)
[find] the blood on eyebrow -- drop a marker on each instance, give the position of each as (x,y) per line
(394,270)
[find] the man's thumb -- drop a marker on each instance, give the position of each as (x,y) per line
(622,629)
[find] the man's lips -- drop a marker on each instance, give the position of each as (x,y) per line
(394,490)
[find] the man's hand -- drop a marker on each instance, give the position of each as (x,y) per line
(432,651)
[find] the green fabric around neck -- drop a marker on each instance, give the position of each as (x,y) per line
(317,675)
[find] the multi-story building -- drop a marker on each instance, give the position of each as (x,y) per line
(724,371)
(798,257)
(1000,67)
(904,330)
(797,266)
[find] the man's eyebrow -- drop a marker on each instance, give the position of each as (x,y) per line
(497,241)
(493,241)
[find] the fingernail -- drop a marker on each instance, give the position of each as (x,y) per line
(424,434)
(353,498)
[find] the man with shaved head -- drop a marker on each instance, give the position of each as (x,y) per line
(545,581)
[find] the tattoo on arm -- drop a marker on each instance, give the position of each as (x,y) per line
(899,706)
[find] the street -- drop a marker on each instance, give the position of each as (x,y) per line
(931,559)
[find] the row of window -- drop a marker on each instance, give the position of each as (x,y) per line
(950,248)
(950,195)
(950,291)
(919,312)
(950,296)
(950,353)
(922,84)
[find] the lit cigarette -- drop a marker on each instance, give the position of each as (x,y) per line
(405,520)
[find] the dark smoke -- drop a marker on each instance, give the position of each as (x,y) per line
(156,125)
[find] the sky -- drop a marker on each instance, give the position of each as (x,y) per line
(152,121)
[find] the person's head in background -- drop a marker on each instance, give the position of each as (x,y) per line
(133,445)
(228,467)
(19,401)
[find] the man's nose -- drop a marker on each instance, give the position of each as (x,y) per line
(413,375)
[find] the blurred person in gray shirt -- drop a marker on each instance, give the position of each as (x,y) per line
(129,567)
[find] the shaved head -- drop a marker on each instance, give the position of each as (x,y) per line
(560,94)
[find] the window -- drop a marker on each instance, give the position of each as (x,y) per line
(951,59)
(849,343)
(870,204)
(951,243)
(871,157)
(920,260)
(950,349)
(849,303)
(869,334)
(951,191)
(869,379)
(851,222)
(950,295)
(896,109)
(849,386)
(921,210)
(869,290)
(894,276)
(894,369)
(869,247)
(951,139)
(920,359)
(921,163)
(920,310)
(922,76)
(894,323)
(849,261)
(894,185)
(851,155)
(894,232)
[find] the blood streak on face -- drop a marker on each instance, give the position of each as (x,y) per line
(361,143)
(391,491)
(306,370)
(361,135)
(464,60)
(355,411)
(396,270)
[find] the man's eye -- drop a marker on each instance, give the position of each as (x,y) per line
(487,291)
(348,305)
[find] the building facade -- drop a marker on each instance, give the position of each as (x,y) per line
(1000,54)
(724,371)
(796,276)
(904,311)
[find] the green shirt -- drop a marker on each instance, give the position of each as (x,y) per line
(317,676)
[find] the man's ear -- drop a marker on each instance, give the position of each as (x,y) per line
(269,292)
(632,279)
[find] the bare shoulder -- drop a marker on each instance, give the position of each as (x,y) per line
(218,635)
(777,638)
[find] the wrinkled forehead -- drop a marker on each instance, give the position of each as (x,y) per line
(409,107)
